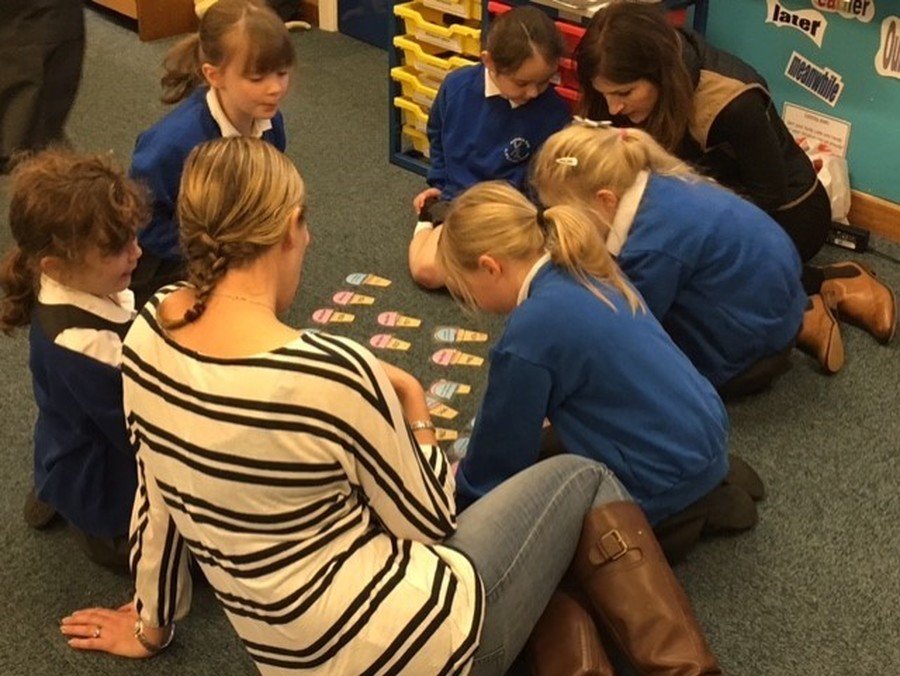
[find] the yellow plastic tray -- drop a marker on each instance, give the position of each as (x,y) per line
(427,59)
(426,25)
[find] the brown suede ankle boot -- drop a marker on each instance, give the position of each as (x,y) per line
(621,568)
(565,641)
(854,292)
(820,336)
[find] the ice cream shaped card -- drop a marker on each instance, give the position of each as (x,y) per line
(439,409)
(393,318)
(359,278)
(455,334)
(326,315)
(352,298)
(385,341)
(448,356)
(447,389)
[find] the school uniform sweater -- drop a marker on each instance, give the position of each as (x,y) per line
(614,386)
(721,276)
(474,137)
(83,461)
(158,161)
(293,480)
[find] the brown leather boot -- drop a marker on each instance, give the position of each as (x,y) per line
(621,567)
(820,336)
(565,641)
(854,293)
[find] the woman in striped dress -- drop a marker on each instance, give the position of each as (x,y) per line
(304,478)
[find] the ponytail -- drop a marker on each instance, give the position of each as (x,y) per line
(18,280)
(493,218)
(182,70)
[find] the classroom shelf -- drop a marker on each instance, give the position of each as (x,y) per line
(430,38)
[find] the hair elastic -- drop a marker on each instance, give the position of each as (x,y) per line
(541,219)
(587,122)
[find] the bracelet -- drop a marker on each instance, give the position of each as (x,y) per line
(149,645)
(416,425)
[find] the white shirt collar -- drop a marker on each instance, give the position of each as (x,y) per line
(525,289)
(260,125)
(625,213)
(490,89)
(117,307)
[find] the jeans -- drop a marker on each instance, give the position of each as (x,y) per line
(522,537)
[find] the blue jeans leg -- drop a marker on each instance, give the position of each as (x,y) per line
(521,537)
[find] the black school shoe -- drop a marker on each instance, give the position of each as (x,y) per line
(38,514)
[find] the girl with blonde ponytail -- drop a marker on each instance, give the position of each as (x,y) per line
(719,274)
(579,350)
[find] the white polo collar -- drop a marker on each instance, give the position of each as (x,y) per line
(260,125)
(525,289)
(625,213)
(490,89)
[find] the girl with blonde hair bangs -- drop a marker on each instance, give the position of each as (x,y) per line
(580,350)
(691,248)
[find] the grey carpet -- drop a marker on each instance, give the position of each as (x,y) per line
(813,590)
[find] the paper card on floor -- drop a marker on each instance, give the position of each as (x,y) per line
(439,409)
(357,278)
(444,434)
(392,318)
(386,341)
(450,357)
(326,315)
(455,334)
(457,450)
(447,389)
(351,298)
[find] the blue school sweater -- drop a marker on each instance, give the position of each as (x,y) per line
(614,386)
(474,138)
(717,271)
(158,161)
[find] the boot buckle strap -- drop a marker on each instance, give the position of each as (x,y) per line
(609,547)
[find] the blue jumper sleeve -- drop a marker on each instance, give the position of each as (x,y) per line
(436,170)
(507,433)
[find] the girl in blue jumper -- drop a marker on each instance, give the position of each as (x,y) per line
(719,273)
(230,77)
(74,220)
(487,122)
(580,350)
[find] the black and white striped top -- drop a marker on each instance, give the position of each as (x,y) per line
(292,478)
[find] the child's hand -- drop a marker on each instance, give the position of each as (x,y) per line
(419,200)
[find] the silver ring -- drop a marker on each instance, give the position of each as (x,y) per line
(97,632)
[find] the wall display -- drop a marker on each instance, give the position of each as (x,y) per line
(887,59)
(808,21)
(823,83)
(817,128)
(863,10)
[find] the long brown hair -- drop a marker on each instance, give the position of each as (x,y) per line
(496,219)
(517,35)
(629,41)
(61,204)
(227,26)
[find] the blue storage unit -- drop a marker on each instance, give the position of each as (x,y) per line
(366,20)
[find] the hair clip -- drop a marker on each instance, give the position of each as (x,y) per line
(567,161)
(587,122)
